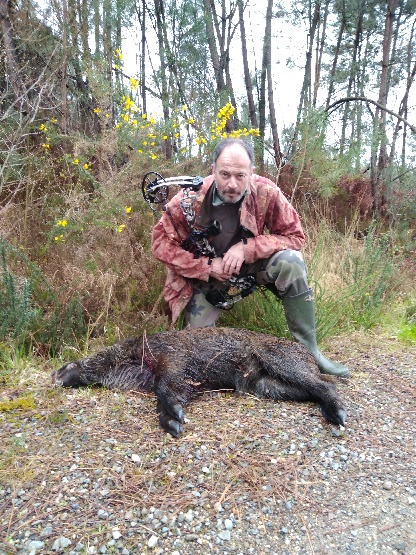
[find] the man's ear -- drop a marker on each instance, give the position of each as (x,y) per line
(212,169)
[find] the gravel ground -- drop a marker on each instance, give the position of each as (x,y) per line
(89,471)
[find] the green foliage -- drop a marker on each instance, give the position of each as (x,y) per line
(407,327)
(363,280)
(31,315)
(261,311)
(16,312)
(313,157)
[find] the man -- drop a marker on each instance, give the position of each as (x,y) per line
(216,243)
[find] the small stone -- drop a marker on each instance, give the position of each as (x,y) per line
(228,524)
(35,545)
(387,485)
(116,534)
(189,516)
(60,543)
(47,531)
(136,458)
(152,541)
(102,514)
(412,500)
(191,537)
(224,535)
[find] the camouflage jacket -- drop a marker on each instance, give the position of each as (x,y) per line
(264,208)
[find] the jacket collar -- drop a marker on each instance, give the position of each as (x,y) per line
(248,206)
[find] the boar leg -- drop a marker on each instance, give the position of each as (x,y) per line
(171,396)
(271,388)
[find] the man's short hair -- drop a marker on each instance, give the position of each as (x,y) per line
(224,143)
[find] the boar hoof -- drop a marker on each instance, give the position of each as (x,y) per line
(178,412)
(174,428)
(336,416)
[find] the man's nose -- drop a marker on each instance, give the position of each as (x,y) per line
(233,182)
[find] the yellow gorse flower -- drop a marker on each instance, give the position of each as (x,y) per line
(120,228)
(62,223)
(128,209)
(134,83)
(128,104)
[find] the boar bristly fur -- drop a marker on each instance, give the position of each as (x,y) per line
(176,365)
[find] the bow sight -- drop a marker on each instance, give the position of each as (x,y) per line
(155,187)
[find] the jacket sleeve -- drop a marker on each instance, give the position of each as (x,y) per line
(167,238)
(278,224)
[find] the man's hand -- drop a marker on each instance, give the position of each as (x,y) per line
(233,259)
(217,270)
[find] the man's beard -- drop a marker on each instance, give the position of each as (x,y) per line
(230,201)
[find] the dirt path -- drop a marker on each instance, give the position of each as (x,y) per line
(90,471)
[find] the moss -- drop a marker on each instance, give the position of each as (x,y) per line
(23,403)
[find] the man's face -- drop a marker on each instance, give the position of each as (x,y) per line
(232,173)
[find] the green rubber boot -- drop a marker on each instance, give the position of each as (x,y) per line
(300,316)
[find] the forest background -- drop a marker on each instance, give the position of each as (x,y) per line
(96,94)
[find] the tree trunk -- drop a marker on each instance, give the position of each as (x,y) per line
(160,22)
(107,38)
(305,94)
(219,30)
(411,74)
(379,136)
(64,69)
(97,27)
(320,43)
(357,139)
(263,82)
(247,79)
(215,58)
(267,48)
(84,30)
(18,87)
(336,56)
(143,58)
(352,78)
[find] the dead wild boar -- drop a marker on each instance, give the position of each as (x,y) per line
(176,365)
